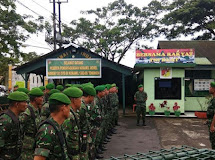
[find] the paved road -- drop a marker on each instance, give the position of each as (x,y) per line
(131,139)
(160,132)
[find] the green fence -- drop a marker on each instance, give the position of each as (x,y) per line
(183,153)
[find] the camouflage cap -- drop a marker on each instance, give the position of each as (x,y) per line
(60,87)
(37,92)
(18,96)
(25,90)
(100,88)
(212,84)
(53,91)
(59,98)
(140,86)
(73,92)
(42,88)
(89,90)
(50,86)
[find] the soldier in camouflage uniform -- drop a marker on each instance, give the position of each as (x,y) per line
(99,137)
(211,117)
(88,97)
(30,121)
(72,124)
(10,130)
(45,107)
(140,97)
(50,140)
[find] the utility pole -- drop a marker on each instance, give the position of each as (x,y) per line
(59,21)
(59,37)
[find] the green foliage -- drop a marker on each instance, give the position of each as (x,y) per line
(189,17)
(15,29)
(115,28)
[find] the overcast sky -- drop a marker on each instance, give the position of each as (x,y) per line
(70,11)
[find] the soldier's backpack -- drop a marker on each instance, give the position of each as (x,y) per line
(11,115)
(60,135)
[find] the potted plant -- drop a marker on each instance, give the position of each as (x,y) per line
(175,109)
(167,109)
(151,109)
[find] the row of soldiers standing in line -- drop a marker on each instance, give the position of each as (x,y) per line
(72,123)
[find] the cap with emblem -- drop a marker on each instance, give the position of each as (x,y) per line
(42,88)
(50,86)
(18,96)
(25,90)
(140,86)
(73,92)
(53,91)
(89,90)
(59,98)
(37,92)
(212,84)
(108,86)
(60,87)
(100,88)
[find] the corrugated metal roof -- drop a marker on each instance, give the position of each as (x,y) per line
(185,153)
(202,48)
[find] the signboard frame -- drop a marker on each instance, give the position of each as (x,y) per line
(73,59)
(167,56)
(202,84)
(166,69)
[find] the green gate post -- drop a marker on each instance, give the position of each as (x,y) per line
(123,93)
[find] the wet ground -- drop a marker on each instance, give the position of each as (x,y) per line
(160,132)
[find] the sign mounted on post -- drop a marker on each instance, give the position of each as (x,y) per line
(73,68)
(165,56)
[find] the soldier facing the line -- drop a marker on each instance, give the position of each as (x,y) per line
(140,97)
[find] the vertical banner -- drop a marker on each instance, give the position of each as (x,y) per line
(166,73)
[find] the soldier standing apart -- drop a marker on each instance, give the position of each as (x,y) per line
(30,121)
(211,116)
(140,97)
(10,130)
(50,139)
(72,125)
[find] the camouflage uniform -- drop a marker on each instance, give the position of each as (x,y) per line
(29,124)
(85,131)
(101,125)
(95,121)
(113,105)
(71,127)
(210,115)
(141,105)
(48,143)
(10,137)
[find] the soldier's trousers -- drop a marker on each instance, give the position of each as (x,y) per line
(141,110)
(212,139)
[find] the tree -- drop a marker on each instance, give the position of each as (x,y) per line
(14,31)
(189,17)
(115,28)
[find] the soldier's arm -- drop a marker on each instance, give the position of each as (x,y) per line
(135,96)
(44,141)
(39,158)
(4,130)
(212,128)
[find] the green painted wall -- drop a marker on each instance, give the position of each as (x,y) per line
(196,103)
(213,74)
(149,75)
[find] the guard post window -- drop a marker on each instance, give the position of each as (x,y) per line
(168,88)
